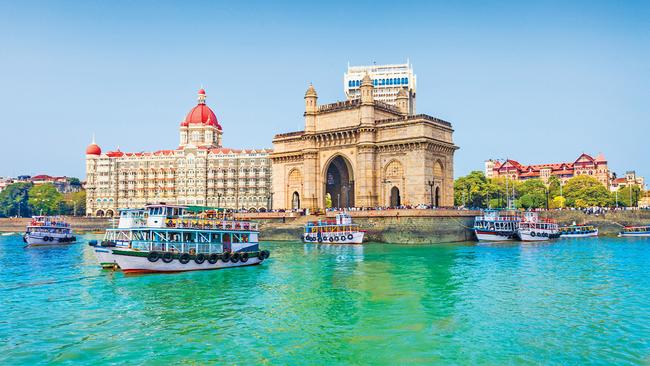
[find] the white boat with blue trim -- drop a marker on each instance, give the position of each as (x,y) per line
(48,230)
(175,238)
(341,230)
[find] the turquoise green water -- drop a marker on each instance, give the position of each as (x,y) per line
(570,302)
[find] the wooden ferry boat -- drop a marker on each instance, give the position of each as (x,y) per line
(494,225)
(338,231)
(174,238)
(578,231)
(48,230)
(635,231)
(533,228)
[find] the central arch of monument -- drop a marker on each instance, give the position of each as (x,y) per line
(338,183)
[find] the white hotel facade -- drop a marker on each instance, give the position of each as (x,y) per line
(387,80)
(199,172)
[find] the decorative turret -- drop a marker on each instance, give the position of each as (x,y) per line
(311,107)
(367,90)
(403,102)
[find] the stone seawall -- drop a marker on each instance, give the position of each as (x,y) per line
(80,224)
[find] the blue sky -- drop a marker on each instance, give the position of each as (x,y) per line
(534,81)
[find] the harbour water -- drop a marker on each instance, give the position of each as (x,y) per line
(567,302)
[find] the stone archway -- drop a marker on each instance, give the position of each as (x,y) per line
(339,182)
(395,199)
(99,213)
(110,213)
(437,197)
(295,201)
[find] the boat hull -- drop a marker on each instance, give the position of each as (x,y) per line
(357,238)
(581,235)
(484,235)
(634,235)
(537,235)
(141,264)
(52,239)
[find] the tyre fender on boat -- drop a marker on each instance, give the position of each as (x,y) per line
(167,257)
(342,237)
(350,237)
(46,238)
(153,256)
(200,258)
(331,239)
(532,233)
(336,238)
(213,258)
(225,257)
(235,257)
(184,258)
(244,257)
(320,240)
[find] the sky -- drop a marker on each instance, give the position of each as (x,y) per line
(534,81)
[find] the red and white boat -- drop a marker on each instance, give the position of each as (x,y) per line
(534,228)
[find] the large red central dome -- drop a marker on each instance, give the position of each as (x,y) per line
(201,114)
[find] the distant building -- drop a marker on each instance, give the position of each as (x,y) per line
(387,81)
(583,165)
(199,172)
(62,184)
(630,179)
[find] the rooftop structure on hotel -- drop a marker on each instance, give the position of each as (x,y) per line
(387,82)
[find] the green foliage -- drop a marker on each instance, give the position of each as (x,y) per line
(553,184)
(74,181)
(470,190)
(586,191)
(628,196)
(557,202)
(45,199)
(74,203)
(13,200)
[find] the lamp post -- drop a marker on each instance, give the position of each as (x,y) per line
(431,183)
(218,199)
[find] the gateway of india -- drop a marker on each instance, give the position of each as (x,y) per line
(367,151)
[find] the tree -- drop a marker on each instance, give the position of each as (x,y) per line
(45,199)
(470,190)
(74,181)
(554,183)
(586,191)
(628,196)
(557,202)
(532,194)
(13,200)
(74,203)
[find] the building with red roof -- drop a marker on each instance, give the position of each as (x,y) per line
(585,164)
(200,171)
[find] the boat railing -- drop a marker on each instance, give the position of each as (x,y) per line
(200,224)
(176,247)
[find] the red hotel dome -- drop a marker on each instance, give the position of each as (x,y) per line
(201,114)
(93,149)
